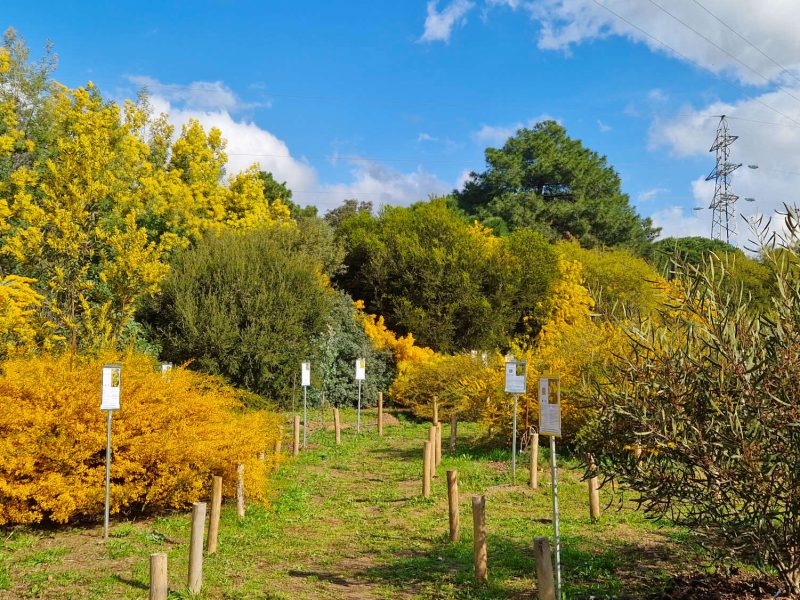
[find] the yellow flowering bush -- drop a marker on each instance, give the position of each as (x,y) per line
(170,436)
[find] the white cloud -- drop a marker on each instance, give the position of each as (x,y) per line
(603,127)
(771,26)
(649,195)
(384,185)
(197,95)
(765,139)
(439,25)
(497,134)
(463,178)
(248,143)
(656,95)
(426,137)
(676,222)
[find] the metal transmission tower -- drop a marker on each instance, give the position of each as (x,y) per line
(723,224)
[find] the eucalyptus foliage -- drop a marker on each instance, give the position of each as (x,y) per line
(707,396)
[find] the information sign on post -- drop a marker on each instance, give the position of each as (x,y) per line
(164,369)
(516,374)
(361,375)
(549,406)
(112,381)
(305,379)
(110,386)
(550,424)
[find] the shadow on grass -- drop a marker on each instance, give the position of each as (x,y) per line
(618,570)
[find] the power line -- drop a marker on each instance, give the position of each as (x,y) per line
(721,49)
(681,54)
(749,43)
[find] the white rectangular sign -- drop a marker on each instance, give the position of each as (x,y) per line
(305,369)
(112,381)
(361,369)
(549,407)
(515,377)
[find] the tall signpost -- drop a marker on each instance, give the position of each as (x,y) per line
(109,401)
(550,424)
(361,374)
(515,384)
(305,372)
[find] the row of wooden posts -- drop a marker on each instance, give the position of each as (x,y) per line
(337,426)
(432,457)
(159,587)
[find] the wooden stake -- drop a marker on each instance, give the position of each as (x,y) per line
(452,500)
(479,537)
(240,491)
(432,440)
(438,444)
(380,413)
(337,426)
(159,587)
(196,547)
(435,410)
(276,449)
(296,440)
(594,494)
(453,432)
(426,469)
(216,507)
(544,569)
(534,478)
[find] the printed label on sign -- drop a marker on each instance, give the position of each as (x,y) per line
(306,374)
(361,369)
(515,377)
(111,384)
(549,408)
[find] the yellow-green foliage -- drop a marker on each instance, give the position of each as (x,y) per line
(169,438)
(619,282)
(460,382)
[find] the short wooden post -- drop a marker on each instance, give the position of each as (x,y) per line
(438,444)
(296,440)
(479,537)
(426,469)
(216,508)
(452,500)
(453,431)
(159,587)
(196,547)
(544,569)
(435,410)
(240,491)
(276,449)
(380,413)
(594,493)
(337,426)
(432,440)
(534,478)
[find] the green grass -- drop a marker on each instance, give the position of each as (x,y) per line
(350,522)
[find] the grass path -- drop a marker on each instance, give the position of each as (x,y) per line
(349,522)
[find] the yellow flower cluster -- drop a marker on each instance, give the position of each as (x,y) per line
(94,218)
(169,437)
(382,337)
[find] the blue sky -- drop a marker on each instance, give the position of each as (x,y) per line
(391,102)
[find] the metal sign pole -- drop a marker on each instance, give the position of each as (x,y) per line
(358,425)
(305,414)
(108,475)
(514,445)
(554,473)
